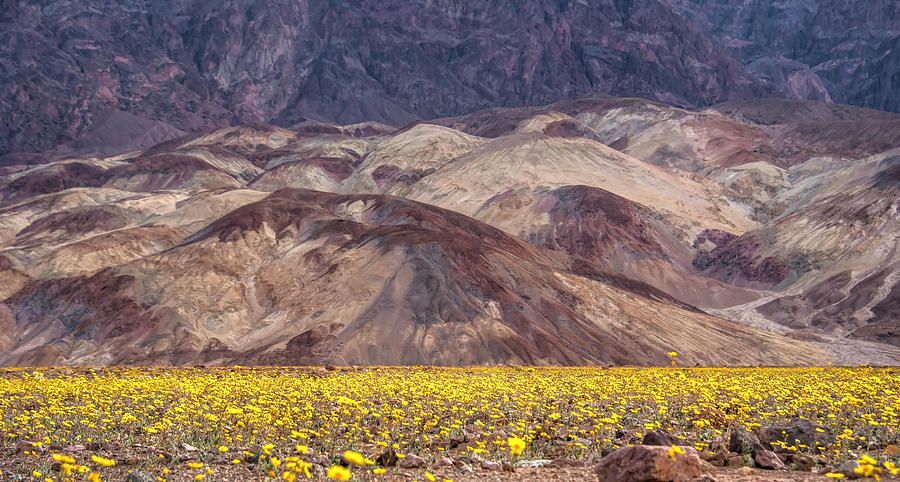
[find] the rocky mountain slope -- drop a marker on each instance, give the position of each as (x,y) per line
(836,50)
(153,70)
(589,231)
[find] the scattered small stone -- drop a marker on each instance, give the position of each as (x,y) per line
(318,471)
(444,462)
(746,471)
(891,451)
(734,460)
(388,458)
(26,446)
(567,463)
(497,435)
(716,458)
(847,468)
(491,465)
(533,463)
(140,476)
(457,441)
(188,447)
(766,459)
(411,462)
(466,469)
(648,462)
(801,462)
(660,437)
(74,448)
(706,478)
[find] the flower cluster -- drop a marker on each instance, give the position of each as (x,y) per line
(283,421)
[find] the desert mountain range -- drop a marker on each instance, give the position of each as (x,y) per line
(597,230)
(70,69)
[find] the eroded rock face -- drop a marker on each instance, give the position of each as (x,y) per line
(178,62)
(52,179)
(736,259)
(592,223)
(776,42)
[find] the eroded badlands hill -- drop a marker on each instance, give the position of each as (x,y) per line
(590,231)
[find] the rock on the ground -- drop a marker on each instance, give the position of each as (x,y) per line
(766,459)
(491,465)
(648,463)
(533,463)
(800,462)
(734,460)
(388,458)
(140,476)
(567,463)
(411,462)
(26,446)
(660,437)
(847,468)
(742,441)
(798,431)
(716,458)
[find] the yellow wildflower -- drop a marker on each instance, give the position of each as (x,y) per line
(354,458)
(516,445)
(102,461)
(339,472)
(675,450)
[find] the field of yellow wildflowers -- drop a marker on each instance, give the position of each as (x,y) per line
(292,423)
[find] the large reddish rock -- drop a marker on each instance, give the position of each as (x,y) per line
(646,463)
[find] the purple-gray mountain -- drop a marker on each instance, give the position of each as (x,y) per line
(156,69)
